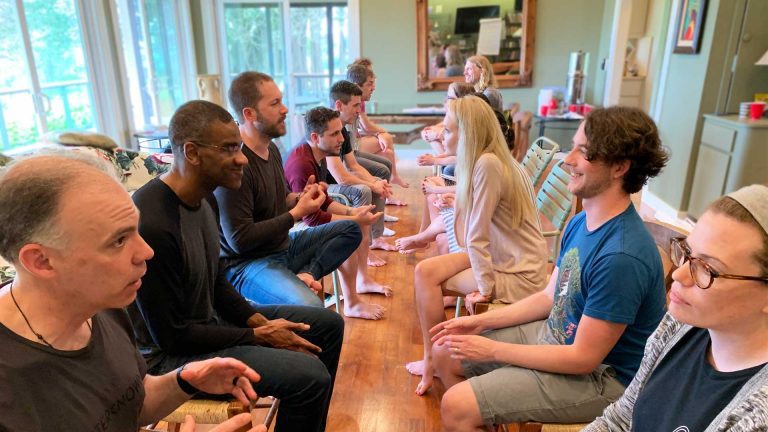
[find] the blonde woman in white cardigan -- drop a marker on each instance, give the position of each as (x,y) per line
(496,218)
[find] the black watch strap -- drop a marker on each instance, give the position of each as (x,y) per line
(184,385)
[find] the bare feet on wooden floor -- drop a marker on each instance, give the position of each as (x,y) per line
(381,244)
(376,261)
(418,368)
(365,311)
(410,244)
(373,287)
(399,181)
(395,202)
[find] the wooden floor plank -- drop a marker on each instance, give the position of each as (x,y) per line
(374,392)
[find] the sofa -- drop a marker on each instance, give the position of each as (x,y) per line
(132,167)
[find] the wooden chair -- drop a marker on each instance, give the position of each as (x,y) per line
(662,234)
(209,412)
(521,122)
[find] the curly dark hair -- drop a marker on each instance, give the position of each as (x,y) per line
(618,133)
(316,120)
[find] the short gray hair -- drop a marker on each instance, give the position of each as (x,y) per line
(31,189)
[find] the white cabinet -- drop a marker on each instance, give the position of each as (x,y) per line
(632,92)
(733,153)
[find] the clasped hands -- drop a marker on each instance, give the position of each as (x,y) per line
(312,197)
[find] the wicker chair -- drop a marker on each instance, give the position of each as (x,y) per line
(207,411)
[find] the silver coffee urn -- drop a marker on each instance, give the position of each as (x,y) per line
(576,85)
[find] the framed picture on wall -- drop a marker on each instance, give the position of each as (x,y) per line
(690,26)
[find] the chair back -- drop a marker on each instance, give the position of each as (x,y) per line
(521,122)
(662,234)
(555,202)
(538,157)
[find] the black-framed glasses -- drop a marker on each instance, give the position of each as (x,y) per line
(702,273)
(228,148)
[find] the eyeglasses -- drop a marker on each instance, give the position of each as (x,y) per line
(702,273)
(229,148)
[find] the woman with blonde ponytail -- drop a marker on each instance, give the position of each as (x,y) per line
(496,220)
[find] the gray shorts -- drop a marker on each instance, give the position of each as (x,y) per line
(508,394)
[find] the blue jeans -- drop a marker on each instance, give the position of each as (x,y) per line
(303,383)
(360,195)
(318,251)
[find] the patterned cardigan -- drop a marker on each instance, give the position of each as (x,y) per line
(748,411)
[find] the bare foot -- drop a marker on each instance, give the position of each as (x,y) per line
(380,243)
(375,261)
(410,244)
(373,288)
(395,202)
(424,385)
(365,311)
(399,181)
(415,367)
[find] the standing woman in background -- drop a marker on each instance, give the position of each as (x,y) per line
(478,71)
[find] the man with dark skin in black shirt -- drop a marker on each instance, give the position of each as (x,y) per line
(188,310)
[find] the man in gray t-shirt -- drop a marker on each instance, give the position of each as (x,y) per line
(68,358)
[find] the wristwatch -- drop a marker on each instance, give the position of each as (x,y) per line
(185,386)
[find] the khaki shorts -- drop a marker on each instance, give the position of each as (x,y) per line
(512,394)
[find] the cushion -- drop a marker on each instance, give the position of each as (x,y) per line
(89,139)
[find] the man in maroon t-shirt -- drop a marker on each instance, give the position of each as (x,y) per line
(306,163)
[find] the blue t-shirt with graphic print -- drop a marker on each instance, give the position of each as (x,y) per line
(613,273)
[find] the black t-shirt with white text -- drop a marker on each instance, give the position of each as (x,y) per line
(96,388)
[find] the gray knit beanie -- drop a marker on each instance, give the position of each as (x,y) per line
(754,198)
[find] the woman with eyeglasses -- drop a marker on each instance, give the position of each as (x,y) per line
(706,366)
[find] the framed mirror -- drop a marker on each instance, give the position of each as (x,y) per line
(448,32)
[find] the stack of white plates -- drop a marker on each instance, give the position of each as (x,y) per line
(744,109)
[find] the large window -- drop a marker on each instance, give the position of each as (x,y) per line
(44,84)
(154,51)
(304,60)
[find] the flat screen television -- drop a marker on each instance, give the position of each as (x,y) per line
(468,18)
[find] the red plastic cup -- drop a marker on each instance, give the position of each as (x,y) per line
(586,109)
(756,110)
(574,108)
(543,110)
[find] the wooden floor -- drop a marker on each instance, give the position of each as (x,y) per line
(374,392)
